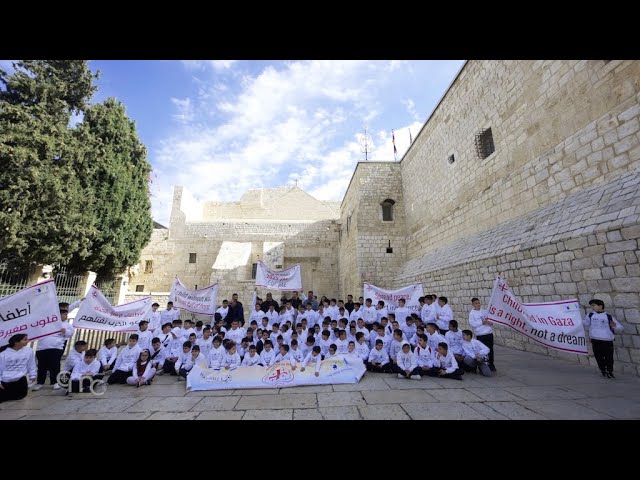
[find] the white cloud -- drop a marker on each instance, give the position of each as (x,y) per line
(185,110)
(411,108)
(222,64)
(291,120)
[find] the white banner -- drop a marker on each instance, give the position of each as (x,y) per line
(554,324)
(289,279)
(202,301)
(33,310)
(411,294)
(96,313)
(338,369)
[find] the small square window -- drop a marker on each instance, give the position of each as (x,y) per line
(484,143)
(192,258)
(148,266)
(139,288)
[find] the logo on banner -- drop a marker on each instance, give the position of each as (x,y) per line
(278,374)
(42,289)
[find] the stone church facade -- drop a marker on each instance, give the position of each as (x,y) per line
(526,168)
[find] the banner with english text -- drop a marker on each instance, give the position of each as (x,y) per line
(338,369)
(553,324)
(33,310)
(411,295)
(96,313)
(202,301)
(289,279)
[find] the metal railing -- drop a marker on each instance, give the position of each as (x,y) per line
(69,287)
(11,283)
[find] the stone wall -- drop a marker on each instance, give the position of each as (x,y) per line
(555,208)
(558,127)
(364,246)
(572,249)
(313,244)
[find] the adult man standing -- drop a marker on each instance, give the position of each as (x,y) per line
(296,301)
(236,311)
(311,301)
(349,305)
(270,301)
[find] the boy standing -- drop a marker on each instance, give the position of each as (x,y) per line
(602,326)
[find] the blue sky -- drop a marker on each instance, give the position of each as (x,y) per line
(221,127)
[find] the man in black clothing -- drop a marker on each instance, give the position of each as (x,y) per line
(349,305)
(295,300)
(236,311)
(270,301)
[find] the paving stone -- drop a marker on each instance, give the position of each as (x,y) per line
(383,412)
(564,410)
(213,404)
(109,405)
(90,416)
(224,415)
(441,411)
(544,393)
(340,413)
(285,414)
(340,399)
(291,400)
(173,416)
(455,395)
(493,394)
(165,404)
(622,408)
(397,397)
(307,414)
(487,411)
(514,411)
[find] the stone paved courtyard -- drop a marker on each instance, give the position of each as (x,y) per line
(528,387)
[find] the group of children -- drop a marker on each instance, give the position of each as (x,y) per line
(408,344)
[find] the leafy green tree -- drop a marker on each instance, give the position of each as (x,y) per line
(119,176)
(71,196)
(41,199)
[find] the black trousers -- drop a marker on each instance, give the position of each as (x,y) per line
(48,361)
(415,371)
(118,376)
(86,383)
(603,351)
(14,390)
(386,368)
(457,374)
(488,341)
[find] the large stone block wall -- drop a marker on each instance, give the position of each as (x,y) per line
(585,246)
(364,247)
(558,127)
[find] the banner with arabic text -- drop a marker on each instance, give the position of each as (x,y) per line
(33,310)
(338,369)
(96,313)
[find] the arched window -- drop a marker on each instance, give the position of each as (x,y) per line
(387,210)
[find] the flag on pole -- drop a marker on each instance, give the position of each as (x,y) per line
(393,139)
(410,137)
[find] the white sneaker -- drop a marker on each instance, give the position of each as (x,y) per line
(415,377)
(57,386)
(400,375)
(35,387)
